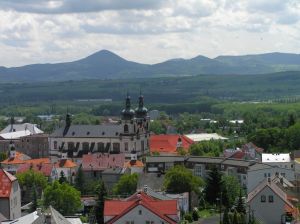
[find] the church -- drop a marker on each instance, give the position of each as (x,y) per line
(130,133)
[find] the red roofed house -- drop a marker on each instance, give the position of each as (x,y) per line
(169,144)
(47,169)
(10,196)
(68,167)
(141,208)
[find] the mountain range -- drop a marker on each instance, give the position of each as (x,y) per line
(107,65)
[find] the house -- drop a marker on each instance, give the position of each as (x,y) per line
(248,151)
(16,131)
(169,144)
(134,165)
(47,169)
(141,208)
(33,145)
(260,171)
(108,167)
(131,132)
(50,216)
(270,203)
(67,167)
(282,160)
(10,196)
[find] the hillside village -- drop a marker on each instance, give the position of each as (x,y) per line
(121,172)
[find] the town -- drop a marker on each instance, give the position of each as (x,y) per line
(121,171)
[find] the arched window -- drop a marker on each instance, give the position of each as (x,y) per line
(126,128)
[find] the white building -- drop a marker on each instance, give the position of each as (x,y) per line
(270,203)
(130,133)
(16,131)
(282,160)
(259,172)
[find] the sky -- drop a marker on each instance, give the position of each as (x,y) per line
(145,31)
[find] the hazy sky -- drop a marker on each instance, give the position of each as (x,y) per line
(148,31)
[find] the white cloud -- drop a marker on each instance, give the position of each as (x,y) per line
(36,31)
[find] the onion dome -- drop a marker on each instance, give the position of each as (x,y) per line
(141,111)
(127,113)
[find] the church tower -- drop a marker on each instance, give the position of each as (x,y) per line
(142,118)
(128,117)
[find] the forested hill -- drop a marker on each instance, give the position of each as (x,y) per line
(159,90)
(107,65)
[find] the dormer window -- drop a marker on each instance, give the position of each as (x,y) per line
(88,133)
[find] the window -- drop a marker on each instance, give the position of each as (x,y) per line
(126,146)
(85,147)
(265,175)
(100,146)
(71,145)
(282,174)
(197,171)
(55,144)
(126,129)
(142,146)
(271,198)
(263,198)
(116,147)
(140,212)
(269,175)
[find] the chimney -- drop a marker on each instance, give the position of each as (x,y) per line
(133,156)
(145,188)
(179,143)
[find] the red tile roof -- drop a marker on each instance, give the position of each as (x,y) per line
(37,161)
(250,145)
(238,155)
(168,143)
(102,161)
(136,163)
(161,208)
(65,163)
(18,159)
(44,168)
(6,180)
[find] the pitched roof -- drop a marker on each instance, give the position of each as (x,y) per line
(238,154)
(161,208)
(65,163)
(21,158)
(273,186)
(90,131)
(102,161)
(250,145)
(168,143)
(6,180)
(136,163)
(205,137)
(44,168)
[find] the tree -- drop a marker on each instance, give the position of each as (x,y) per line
(62,178)
(179,179)
(32,184)
(79,180)
(231,188)
(195,215)
(157,127)
(63,197)
(126,185)
(226,219)
(241,208)
(99,210)
(3,156)
(213,185)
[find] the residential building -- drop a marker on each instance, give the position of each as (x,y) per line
(282,160)
(141,208)
(50,216)
(130,133)
(169,144)
(67,167)
(270,203)
(33,145)
(105,166)
(10,196)
(260,171)
(134,165)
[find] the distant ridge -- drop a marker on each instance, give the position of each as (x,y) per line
(105,64)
